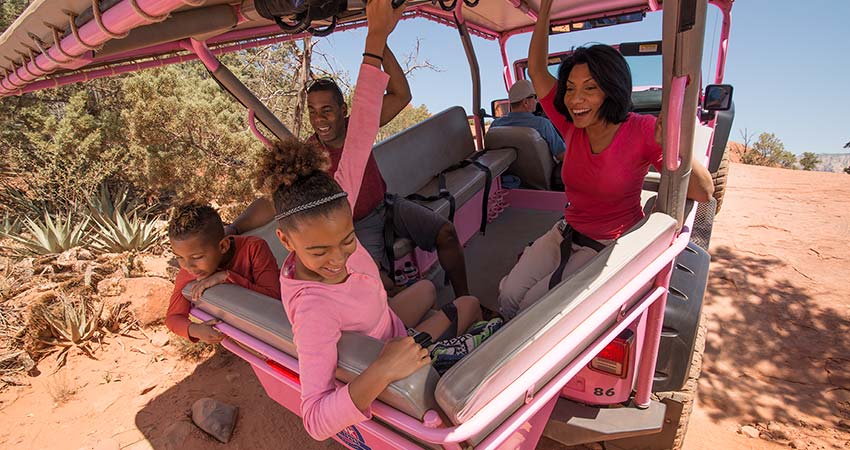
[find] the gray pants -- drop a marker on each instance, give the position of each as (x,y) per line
(410,220)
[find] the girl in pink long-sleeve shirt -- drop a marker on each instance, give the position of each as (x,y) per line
(329,282)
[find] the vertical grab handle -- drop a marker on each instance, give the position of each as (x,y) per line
(253,125)
(674,122)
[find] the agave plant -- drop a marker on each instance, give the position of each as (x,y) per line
(17,200)
(125,232)
(50,235)
(9,225)
(75,326)
(120,224)
(109,203)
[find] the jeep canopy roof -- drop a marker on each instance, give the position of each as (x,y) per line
(57,42)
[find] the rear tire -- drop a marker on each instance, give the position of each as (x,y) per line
(719,179)
(687,395)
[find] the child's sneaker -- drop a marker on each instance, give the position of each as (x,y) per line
(410,271)
(485,329)
(447,352)
(400,278)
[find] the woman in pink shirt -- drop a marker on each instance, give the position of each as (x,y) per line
(329,282)
(609,150)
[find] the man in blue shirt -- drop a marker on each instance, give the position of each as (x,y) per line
(523,103)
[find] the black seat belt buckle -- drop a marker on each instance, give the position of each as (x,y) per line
(422,338)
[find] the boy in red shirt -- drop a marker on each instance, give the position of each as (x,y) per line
(205,254)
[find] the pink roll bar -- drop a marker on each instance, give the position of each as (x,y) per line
(524,7)
(118,19)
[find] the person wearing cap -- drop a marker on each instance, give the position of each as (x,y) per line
(523,103)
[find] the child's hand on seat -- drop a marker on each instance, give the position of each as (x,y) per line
(401,357)
(205,283)
(205,331)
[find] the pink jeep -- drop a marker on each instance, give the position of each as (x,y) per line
(611,353)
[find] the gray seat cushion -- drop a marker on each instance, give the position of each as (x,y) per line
(474,381)
(534,163)
(265,319)
(464,184)
(411,160)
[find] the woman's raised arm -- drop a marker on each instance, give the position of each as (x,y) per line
(538,52)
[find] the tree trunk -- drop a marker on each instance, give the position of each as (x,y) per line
(304,77)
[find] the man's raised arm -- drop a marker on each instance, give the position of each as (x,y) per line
(398,91)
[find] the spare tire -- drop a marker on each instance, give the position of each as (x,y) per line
(719,180)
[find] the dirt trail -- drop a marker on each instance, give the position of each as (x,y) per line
(778,311)
(777,359)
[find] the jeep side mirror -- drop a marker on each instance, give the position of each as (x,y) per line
(500,107)
(718,97)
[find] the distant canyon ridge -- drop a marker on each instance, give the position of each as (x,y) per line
(829,162)
(833,162)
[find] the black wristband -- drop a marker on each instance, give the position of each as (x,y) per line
(372,55)
(235,231)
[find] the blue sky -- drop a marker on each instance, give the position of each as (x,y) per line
(788,62)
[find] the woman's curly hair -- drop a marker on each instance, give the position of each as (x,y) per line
(194,218)
(294,173)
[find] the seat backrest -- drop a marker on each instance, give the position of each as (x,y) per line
(267,233)
(264,319)
(474,381)
(533,163)
(410,159)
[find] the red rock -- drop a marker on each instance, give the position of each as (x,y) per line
(215,417)
(160,339)
(750,431)
(148,297)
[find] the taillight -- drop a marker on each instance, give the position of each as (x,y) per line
(283,370)
(614,358)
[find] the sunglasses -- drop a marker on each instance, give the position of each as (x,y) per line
(321,84)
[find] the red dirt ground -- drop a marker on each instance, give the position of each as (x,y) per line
(777,358)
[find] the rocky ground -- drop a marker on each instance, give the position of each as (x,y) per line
(776,372)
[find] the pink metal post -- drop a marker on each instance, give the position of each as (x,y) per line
(674,122)
(253,125)
(204,54)
(725,8)
(651,340)
(506,63)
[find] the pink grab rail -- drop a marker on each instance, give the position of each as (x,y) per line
(673,129)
